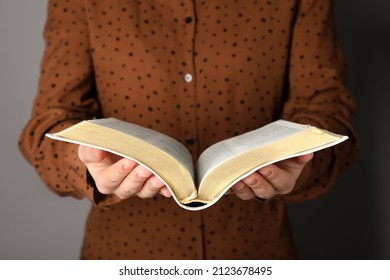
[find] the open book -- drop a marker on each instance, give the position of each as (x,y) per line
(218,168)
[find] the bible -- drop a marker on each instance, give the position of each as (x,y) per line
(218,168)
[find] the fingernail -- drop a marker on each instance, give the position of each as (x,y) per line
(143,175)
(127,167)
(167,193)
(265,172)
(239,186)
(251,183)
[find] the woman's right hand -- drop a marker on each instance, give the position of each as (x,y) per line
(120,176)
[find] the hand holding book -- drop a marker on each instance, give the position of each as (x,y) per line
(219,167)
(120,176)
(274,179)
(126,178)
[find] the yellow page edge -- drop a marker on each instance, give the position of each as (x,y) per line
(321,147)
(56,137)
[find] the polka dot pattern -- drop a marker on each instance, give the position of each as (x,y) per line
(199,71)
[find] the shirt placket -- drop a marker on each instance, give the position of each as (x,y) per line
(187,77)
(188,101)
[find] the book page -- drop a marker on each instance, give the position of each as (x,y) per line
(160,140)
(234,146)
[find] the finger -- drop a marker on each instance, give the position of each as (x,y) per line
(282,181)
(165,192)
(151,187)
(133,182)
(229,191)
(283,175)
(295,164)
(89,154)
(109,178)
(261,187)
(96,159)
(242,191)
(304,158)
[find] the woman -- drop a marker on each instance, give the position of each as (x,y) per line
(199,72)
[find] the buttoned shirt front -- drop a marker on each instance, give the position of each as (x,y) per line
(199,71)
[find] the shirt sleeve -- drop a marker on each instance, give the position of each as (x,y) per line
(66,95)
(318,95)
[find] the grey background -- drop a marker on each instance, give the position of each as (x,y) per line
(352,221)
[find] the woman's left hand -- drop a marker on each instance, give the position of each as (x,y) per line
(275,179)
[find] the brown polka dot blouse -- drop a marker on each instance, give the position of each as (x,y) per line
(199,71)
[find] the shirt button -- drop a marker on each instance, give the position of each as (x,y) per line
(190,141)
(188,78)
(188,20)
